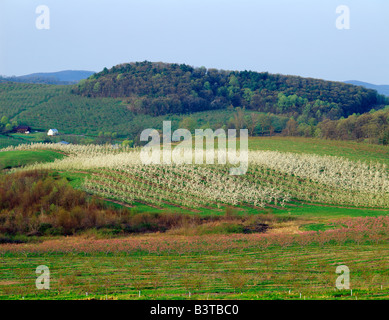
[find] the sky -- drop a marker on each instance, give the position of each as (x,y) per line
(297,37)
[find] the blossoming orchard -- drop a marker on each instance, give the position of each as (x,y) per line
(272,178)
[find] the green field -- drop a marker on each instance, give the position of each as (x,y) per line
(6,141)
(182,273)
(349,149)
(12,159)
(295,259)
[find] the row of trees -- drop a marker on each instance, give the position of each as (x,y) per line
(372,127)
(256,123)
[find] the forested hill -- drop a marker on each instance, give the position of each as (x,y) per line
(160,88)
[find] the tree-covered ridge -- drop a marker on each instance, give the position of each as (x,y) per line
(160,88)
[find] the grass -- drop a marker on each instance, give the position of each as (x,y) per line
(12,159)
(318,211)
(29,138)
(240,273)
(316,227)
(348,149)
(6,141)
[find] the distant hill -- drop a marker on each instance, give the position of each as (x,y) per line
(381,89)
(62,77)
(162,88)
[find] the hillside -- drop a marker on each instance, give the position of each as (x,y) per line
(52,106)
(160,88)
(66,77)
(131,97)
(381,89)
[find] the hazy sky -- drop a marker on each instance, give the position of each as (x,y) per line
(280,36)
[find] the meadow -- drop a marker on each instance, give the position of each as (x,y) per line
(257,266)
(304,207)
(347,149)
(14,159)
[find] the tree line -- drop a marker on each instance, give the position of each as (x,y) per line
(371,127)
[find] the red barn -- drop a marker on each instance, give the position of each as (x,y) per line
(22,129)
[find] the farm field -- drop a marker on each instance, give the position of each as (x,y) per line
(176,163)
(304,207)
(162,267)
(349,149)
(22,158)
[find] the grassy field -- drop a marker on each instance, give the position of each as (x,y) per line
(187,268)
(295,258)
(6,141)
(12,159)
(349,149)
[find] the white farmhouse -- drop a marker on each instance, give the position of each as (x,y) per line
(52,132)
